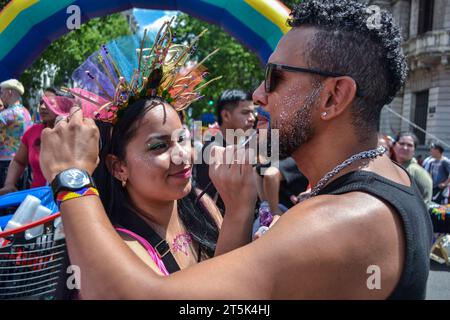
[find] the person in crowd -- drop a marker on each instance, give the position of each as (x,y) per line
(325,86)
(439,168)
(28,153)
(278,184)
(235,111)
(405,147)
(419,159)
(14,121)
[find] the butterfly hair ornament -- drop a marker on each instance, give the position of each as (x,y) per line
(127,70)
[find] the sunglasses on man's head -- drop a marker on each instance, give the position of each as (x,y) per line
(272,68)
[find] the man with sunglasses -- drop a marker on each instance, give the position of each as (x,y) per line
(14,121)
(365,232)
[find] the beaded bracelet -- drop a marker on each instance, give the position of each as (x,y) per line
(67,195)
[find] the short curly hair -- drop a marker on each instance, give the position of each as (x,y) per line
(346,42)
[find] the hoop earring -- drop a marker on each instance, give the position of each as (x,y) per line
(124,183)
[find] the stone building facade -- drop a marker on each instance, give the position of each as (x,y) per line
(425,98)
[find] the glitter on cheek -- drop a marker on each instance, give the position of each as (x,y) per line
(290,102)
(297,129)
(286,106)
(150,162)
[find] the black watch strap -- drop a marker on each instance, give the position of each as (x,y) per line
(57,185)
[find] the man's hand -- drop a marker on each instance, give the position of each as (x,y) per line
(70,144)
(442,185)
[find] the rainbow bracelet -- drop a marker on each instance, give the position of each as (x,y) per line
(67,195)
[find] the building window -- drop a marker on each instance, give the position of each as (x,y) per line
(420,115)
(425,16)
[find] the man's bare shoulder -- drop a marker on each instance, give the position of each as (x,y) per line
(328,244)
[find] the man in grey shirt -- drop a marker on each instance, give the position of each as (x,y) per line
(439,168)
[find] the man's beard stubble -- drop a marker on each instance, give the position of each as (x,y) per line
(297,129)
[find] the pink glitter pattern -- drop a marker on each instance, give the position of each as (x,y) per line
(181,243)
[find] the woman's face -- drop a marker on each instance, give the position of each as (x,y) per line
(404,148)
(158,159)
(47,115)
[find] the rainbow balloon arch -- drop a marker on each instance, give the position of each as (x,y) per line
(27,27)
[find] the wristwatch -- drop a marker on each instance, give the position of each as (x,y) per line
(71,180)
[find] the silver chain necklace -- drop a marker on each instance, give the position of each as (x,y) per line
(370,154)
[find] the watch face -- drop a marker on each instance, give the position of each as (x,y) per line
(74,178)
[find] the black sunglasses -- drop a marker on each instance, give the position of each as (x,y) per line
(269,81)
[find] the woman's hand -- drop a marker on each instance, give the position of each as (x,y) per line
(72,143)
(232,175)
(233,179)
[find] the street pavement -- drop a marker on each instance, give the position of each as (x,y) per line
(438,287)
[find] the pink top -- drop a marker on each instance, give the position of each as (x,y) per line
(32,140)
(151,251)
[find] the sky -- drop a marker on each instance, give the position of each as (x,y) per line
(152,19)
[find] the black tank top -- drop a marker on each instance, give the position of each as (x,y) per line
(417,226)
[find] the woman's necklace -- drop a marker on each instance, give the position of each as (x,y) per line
(370,154)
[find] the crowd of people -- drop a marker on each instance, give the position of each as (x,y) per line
(431,175)
(161,228)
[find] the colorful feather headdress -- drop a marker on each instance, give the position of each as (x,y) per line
(114,78)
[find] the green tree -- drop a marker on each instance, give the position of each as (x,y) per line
(69,51)
(290,3)
(239,67)
(3,3)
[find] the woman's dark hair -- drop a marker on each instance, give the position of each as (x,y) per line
(437,146)
(195,217)
(58,92)
(408,134)
(50,89)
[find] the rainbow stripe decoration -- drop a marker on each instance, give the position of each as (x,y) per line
(27,27)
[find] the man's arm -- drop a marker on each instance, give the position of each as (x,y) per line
(321,248)
(15,170)
(312,252)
